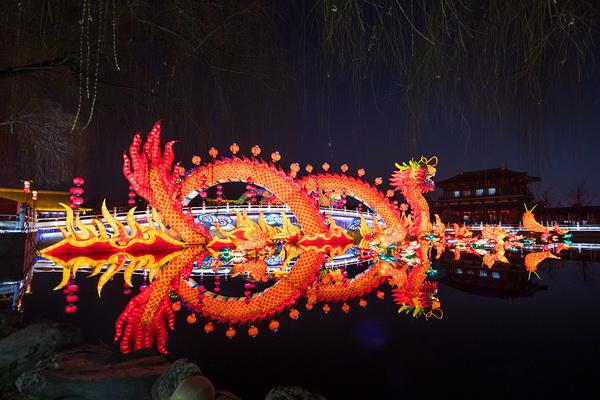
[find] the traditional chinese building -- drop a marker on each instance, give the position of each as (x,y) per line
(490,196)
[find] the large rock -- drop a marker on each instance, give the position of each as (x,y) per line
(10,321)
(194,387)
(94,372)
(225,395)
(293,393)
(166,384)
(23,349)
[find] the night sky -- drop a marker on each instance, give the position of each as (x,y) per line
(269,76)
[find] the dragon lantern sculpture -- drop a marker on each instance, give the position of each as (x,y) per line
(395,248)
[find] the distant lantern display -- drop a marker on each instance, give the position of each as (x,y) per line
(76,191)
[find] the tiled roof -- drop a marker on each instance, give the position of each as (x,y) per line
(485,175)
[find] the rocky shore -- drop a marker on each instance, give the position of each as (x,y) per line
(50,361)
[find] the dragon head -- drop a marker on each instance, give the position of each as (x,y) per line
(415,173)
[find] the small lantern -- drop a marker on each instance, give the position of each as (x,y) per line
(360,172)
(196,160)
(274,325)
(309,168)
(213,152)
(27,186)
(255,150)
(344,167)
(325,167)
(275,156)
(234,148)
(34,195)
(295,167)
(378,180)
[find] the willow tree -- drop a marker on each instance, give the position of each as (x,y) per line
(72,70)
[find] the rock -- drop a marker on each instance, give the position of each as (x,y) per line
(166,384)
(194,387)
(24,348)
(9,322)
(225,395)
(293,393)
(94,372)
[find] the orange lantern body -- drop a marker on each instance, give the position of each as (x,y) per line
(255,150)
(196,160)
(191,318)
(230,333)
(345,308)
(360,172)
(295,167)
(275,156)
(176,306)
(253,331)
(344,168)
(326,308)
(309,168)
(325,167)
(274,325)
(213,152)
(294,314)
(234,148)
(209,327)
(362,303)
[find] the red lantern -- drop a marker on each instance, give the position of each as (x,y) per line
(34,195)
(131,202)
(309,168)
(78,181)
(191,319)
(380,294)
(362,303)
(345,308)
(325,167)
(209,327)
(294,314)
(360,172)
(295,167)
(77,200)
(309,306)
(196,160)
(26,186)
(389,193)
(230,332)
(71,308)
(255,150)
(275,156)
(213,152)
(234,148)
(76,190)
(176,306)
(253,331)
(71,298)
(131,194)
(326,308)
(378,180)
(274,325)
(344,167)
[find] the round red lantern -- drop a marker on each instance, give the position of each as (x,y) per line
(213,152)
(255,150)
(234,148)
(78,181)
(275,156)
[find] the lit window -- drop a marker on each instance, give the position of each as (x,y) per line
(495,275)
(459,270)
(483,273)
(456,193)
(479,192)
(492,191)
(467,193)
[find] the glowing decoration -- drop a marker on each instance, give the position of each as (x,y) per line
(255,150)
(294,314)
(378,181)
(309,168)
(230,333)
(213,152)
(34,195)
(325,167)
(275,156)
(395,245)
(253,331)
(234,148)
(77,191)
(26,186)
(361,172)
(344,168)
(196,160)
